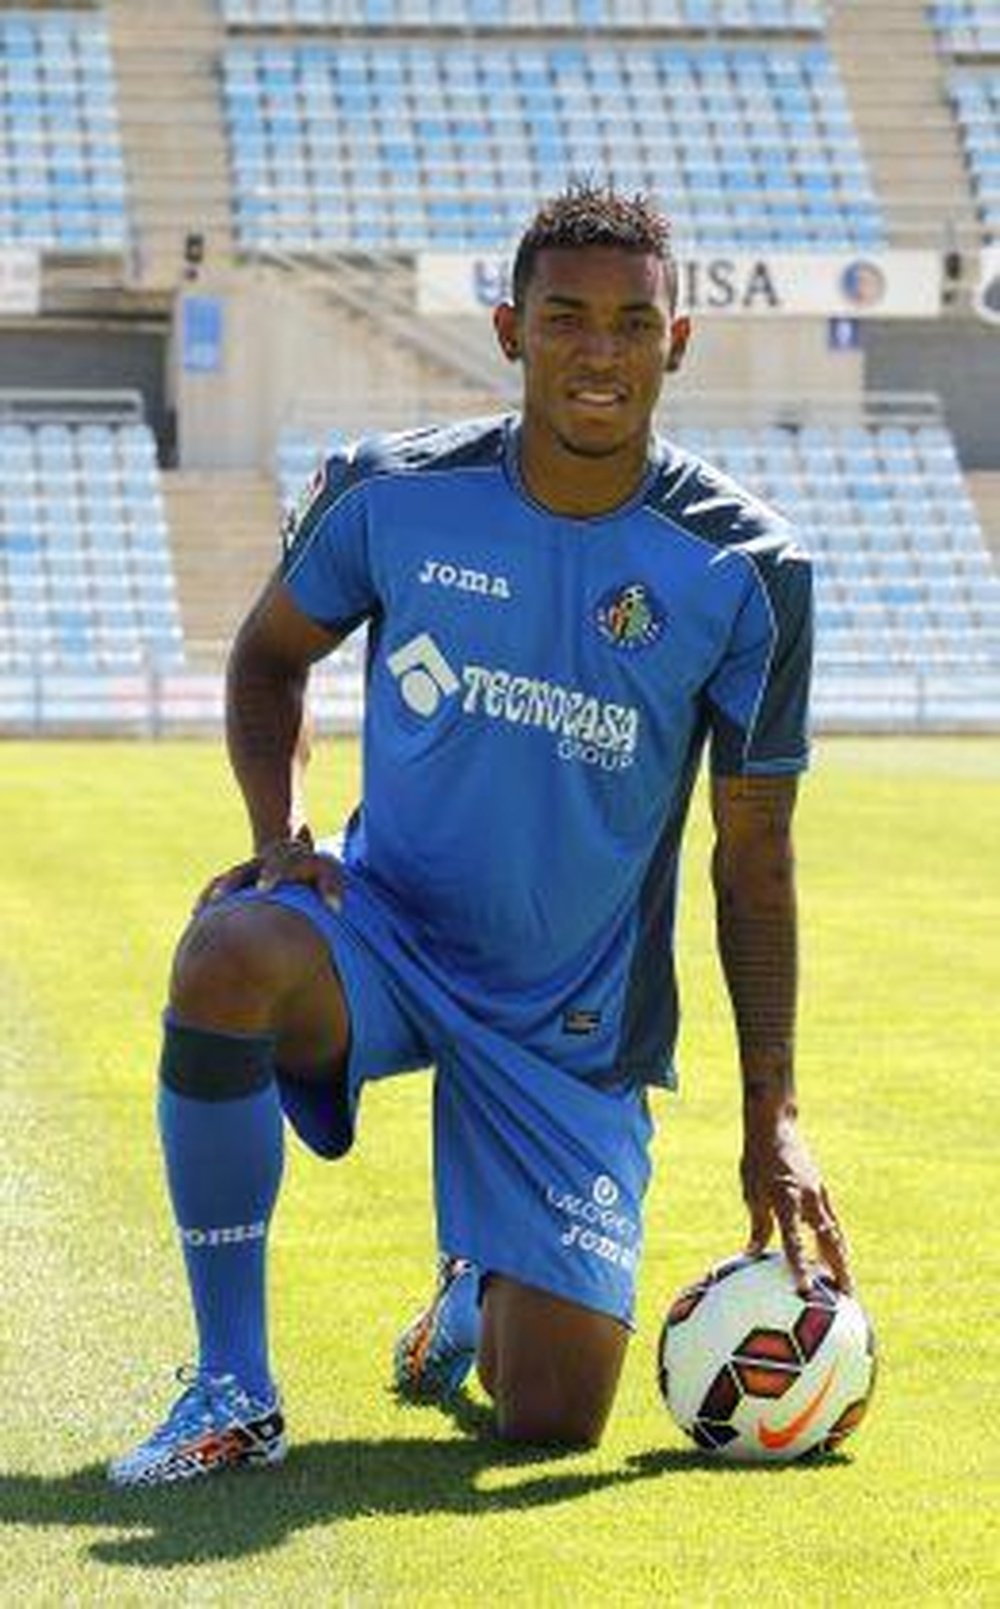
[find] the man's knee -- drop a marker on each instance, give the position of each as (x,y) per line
(233,967)
(551,1366)
(527,1413)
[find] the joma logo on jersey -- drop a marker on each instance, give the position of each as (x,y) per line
(438,573)
(589,730)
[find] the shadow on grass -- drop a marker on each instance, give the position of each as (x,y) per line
(321,1484)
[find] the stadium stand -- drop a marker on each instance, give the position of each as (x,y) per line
(908,594)
(356,132)
(976,101)
(904,576)
(298,456)
(86,579)
(969,30)
(392,146)
(967,27)
(688,16)
(62,180)
(891,68)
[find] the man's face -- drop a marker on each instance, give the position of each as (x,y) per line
(594,335)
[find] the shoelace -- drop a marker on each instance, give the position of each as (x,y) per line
(194,1406)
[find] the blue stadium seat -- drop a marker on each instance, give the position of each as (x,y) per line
(889,600)
(892,606)
(670,115)
(82,547)
(58,128)
(976,103)
(967,28)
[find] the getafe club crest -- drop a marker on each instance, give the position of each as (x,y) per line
(630,617)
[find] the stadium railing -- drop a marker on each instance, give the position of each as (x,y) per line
(527,16)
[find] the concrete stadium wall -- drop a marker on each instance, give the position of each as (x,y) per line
(787,357)
(90,356)
(957,358)
(283,345)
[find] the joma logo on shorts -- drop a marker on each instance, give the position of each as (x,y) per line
(596,1225)
(598,1245)
(438,573)
(599,1212)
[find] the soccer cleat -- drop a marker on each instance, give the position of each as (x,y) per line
(435,1353)
(214,1425)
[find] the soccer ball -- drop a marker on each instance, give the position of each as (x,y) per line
(757,1373)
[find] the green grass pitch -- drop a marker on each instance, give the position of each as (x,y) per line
(103,848)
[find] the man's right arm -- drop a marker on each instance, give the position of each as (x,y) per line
(324,587)
(267,741)
(265,690)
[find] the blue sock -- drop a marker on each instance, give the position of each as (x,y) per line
(223,1143)
(460,1314)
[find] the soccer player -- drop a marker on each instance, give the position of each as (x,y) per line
(562,609)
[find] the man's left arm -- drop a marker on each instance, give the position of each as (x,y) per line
(753,873)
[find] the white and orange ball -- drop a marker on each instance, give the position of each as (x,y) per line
(754,1372)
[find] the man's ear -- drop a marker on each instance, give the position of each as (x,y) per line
(680,335)
(505,323)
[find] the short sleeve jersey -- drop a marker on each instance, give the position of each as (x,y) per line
(539,691)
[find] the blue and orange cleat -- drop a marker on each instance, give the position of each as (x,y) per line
(213,1426)
(434,1354)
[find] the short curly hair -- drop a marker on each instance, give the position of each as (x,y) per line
(587,213)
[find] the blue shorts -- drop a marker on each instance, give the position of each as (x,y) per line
(539,1174)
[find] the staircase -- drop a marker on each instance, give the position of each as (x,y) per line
(895,82)
(166,64)
(456,365)
(984,487)
(224,534)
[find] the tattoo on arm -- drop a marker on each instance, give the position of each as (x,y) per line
(756,928)
(771,1086)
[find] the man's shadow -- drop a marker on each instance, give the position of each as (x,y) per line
(322,1482)
(204,1522)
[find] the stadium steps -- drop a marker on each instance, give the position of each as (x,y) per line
(372,365)
(224,536)
(984,489)
(166,61)
(375,296)
(895,83)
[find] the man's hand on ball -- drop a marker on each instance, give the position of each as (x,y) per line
(781,1183)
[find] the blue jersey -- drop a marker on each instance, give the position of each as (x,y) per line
(539,692)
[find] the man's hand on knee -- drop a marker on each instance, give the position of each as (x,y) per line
(286,860)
